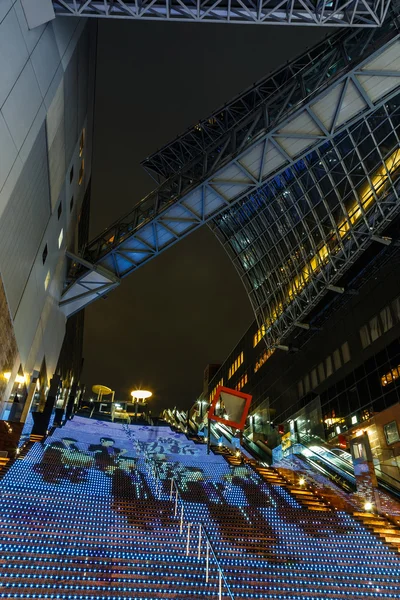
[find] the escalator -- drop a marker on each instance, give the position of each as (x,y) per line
(338,465)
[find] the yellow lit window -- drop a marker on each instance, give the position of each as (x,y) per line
(263,359)
(81,171)
(212,395)
(391,376)
(82,142)
(235,365)
(242,382)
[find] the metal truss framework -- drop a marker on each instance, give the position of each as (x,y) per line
(183,204)
(332,13)
(263,105)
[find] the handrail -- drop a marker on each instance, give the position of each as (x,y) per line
(221,577)
(175,496)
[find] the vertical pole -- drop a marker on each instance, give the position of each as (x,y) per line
(199,548)
(188,540)
(207,555)
(208,436)
(172,487)
(181,527)
(220,584)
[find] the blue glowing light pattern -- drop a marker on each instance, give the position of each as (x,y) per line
(81,518)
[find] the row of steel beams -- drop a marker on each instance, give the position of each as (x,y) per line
(266,103)
(335,13)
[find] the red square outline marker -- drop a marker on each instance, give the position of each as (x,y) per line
(211,411)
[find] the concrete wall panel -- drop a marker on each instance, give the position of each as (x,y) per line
(22,105)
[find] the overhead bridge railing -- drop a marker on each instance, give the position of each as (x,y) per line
(338,13)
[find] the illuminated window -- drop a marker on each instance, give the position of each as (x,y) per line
(258,336)
(391,376)
(82,142)
(242,382)
(212,395)
(263,359)
(60,238)
(81,172)
(47,280)
(44,254)
(235,365)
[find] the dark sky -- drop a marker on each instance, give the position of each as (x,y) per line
(187,307)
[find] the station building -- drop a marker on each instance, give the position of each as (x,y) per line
(46,122)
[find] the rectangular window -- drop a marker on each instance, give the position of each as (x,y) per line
(71,174)
(328,366)
(44,254)
(375,328)
(306,384)
(321,372)
(386,319)
(60,238)
(82,142)
(396,308)
(337,362)
(391,432)
(345,352)
(59,211)
(300,389)
(71,204)
(364,336)
(314,378)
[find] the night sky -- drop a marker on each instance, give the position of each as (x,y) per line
(187,307)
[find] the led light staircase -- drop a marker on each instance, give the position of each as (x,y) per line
(69,531)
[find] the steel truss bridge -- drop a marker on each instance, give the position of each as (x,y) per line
(324,13)
(297,176)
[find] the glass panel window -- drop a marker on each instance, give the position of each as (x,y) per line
(337,362)
(300,388)
(328,366)
(364,336)
(306,384)
(314,378)
(375,328)
(321,372)
(386,318)
(345,352)
(396,308)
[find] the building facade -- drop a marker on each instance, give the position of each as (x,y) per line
(47,79)
(346,364)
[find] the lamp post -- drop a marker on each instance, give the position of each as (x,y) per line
(139,395)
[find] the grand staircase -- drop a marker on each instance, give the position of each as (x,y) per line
(79,523)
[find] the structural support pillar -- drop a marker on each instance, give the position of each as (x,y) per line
(42,419)
(71,401)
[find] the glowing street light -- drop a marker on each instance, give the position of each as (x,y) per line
(138,395)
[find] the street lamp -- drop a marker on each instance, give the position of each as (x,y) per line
(138,395)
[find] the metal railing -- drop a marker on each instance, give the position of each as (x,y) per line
(203,538)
